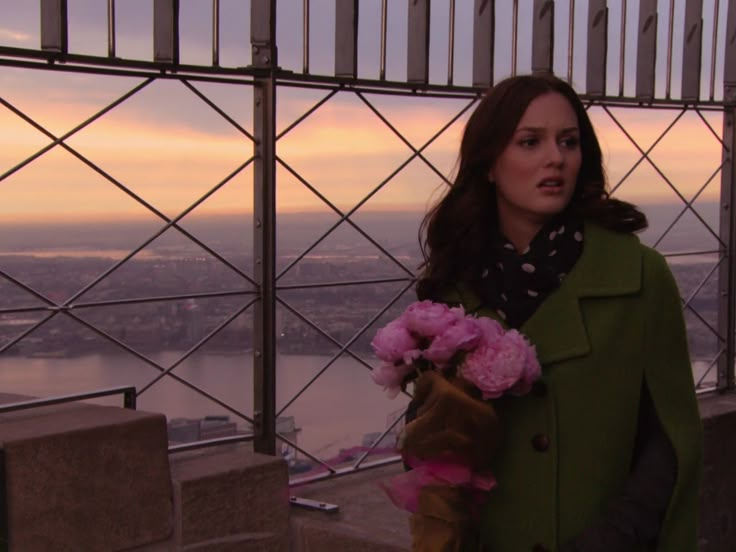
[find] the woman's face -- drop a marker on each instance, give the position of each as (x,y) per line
(536,173)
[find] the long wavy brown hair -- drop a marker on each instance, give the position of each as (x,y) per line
(455,234)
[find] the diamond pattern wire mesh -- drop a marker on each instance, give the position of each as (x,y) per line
(344,346)
(73,307)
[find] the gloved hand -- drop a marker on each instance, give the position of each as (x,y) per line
(452,422)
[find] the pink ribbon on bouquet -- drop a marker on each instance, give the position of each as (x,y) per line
(404,489)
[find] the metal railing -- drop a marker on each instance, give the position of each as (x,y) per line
(617,46)
(128,393)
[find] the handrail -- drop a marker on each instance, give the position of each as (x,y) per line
(128,392)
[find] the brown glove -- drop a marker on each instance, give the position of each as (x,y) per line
(452,421)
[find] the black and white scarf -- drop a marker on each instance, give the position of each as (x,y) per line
(514,284)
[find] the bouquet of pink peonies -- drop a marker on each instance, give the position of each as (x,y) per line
(458,361)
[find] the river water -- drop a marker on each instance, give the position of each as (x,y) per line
(335,412)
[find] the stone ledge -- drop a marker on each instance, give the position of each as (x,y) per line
(85,473)
(230,493)
(367,521)
(718,488)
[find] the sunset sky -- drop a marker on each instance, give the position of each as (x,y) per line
(169,147)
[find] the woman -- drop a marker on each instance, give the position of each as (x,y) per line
(605,453)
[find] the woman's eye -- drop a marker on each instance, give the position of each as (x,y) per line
(529,142)
(571,142)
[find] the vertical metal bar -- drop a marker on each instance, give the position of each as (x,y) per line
(646,53)
(727,271)
(514,34)
(692,50)
(622,52)
(597,48)
(729,56)
(263,18)
(570,40)
(346,38)
(54,30)
(668,82)
(543,28)
(215,32)
(483,42)
(714,49)
(384,24)
(4,502)
(417,66)
(305,38)
(263,33)
(451,43)
(166,31)
(129,399)
(111,28)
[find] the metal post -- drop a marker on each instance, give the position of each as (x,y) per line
(543,36)
(451,44)
(384,24)
(622,52)
(597,48)
(570,40)
(646,50)
(54,34)
(166,31)
(346,38)
(483,42)
(514,37)
(215,32)
(305,37)
(417,50)
(691,50)
(727,270)
(263,33)
(111,28)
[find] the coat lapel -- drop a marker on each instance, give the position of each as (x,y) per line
(610,265)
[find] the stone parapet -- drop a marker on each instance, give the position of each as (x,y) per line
(85,477)
(81,473)
(365,522)
(718,488)
(230,498)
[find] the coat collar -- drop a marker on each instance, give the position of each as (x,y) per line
(609,266)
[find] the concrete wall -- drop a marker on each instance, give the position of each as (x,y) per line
(82,477)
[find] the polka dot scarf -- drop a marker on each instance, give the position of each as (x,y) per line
(515,284)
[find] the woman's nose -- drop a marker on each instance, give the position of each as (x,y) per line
(555,154)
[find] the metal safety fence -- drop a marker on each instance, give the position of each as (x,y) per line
(660,95)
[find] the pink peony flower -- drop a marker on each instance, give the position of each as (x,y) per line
(393,342)
(498,365)
(390,376)
(429,319)
(491,329)
(464,335)
(532,369)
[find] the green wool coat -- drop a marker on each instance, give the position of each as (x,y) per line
(615,321)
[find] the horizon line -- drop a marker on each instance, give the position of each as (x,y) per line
(118,217)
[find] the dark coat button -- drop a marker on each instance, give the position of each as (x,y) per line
(540,548)
(540,442)
(539,388)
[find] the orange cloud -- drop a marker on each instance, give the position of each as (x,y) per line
(343,150)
